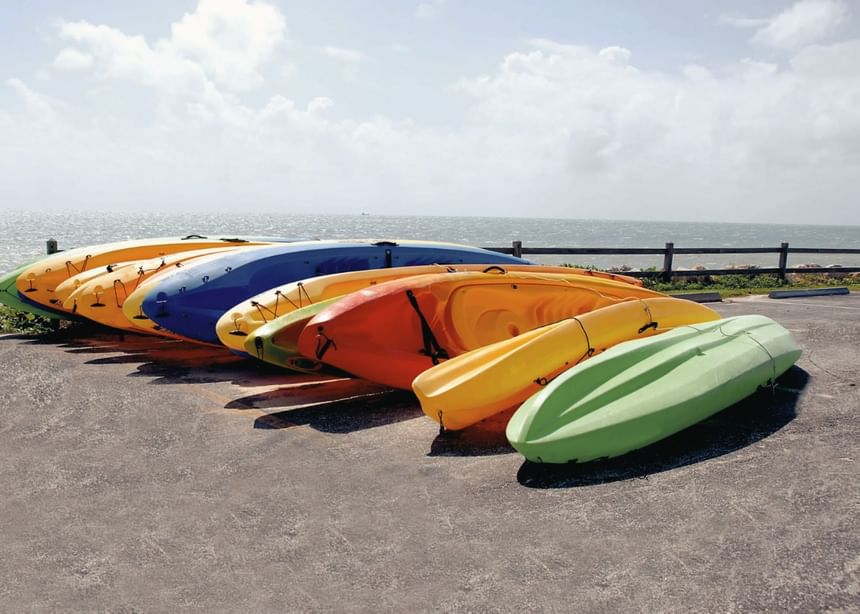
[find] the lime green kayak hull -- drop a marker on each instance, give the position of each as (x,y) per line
(269,344)
(642,391)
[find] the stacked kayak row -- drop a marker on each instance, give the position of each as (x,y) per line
(597,364)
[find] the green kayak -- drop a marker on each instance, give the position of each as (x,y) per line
(642,391)
(277,341)
(10,298)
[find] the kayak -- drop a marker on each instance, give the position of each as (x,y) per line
(243,319)
(99,295)
(392,332)
(190,301)
(132,306)
(277,342)
(640,392)
(64,290)
(10,298)
(478,384)
(38,281)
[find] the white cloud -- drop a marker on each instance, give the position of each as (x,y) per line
(230,38)
(319,104)
(223,43)
(117,55)
(739,21)
(804,22)
(429,10)
(344,55)
(72,59)
(38,107)
(289,70)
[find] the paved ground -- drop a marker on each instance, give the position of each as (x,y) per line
(140,475)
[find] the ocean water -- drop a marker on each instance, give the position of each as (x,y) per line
(24,234)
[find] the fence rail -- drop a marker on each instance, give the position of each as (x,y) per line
(667,273)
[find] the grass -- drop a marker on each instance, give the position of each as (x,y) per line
(744,285)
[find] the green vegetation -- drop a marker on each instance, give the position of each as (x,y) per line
(13,321)
(742,285)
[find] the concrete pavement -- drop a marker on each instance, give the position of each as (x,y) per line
(147,475)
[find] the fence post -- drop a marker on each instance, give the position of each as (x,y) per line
(52,246)
(667,262)
(518,249)
(783,260)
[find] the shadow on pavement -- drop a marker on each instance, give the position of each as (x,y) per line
(366,410)
(742,424)
(486,438)
(324,401)
(164,360)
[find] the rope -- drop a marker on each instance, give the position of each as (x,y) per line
(772,362)
(71,267)
(651,322)
(140,274)
(590,351)
(116,294)
(772,382)
(260,308)
(237,329)
(301,287)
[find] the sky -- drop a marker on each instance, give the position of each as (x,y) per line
(733,111)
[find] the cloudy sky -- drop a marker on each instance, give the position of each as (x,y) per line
(742,110)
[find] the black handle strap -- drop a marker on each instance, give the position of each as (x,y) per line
(431,345)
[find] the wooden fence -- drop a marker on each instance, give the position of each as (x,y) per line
(668,252)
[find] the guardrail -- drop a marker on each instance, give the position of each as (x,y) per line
(668,252)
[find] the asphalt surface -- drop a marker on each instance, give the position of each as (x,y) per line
(146,475)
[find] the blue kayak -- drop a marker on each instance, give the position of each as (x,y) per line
(189,301)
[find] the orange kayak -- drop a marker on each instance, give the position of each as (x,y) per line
(392,332)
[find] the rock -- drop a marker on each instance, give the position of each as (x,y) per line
(743,267)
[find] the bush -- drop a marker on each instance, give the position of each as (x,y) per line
(13,321)
(722,282)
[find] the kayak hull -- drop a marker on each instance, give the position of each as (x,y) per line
(478,384)
(10,298)
(262,309)
(640,392)
(39,281)
(277,342)
(192,301)
(391,333)
(101,295)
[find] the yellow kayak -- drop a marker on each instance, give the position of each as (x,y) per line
(38,281)
(69,286)
(478,384)
(100,295)
(264,309)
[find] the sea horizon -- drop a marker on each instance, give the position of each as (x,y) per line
(26,232)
